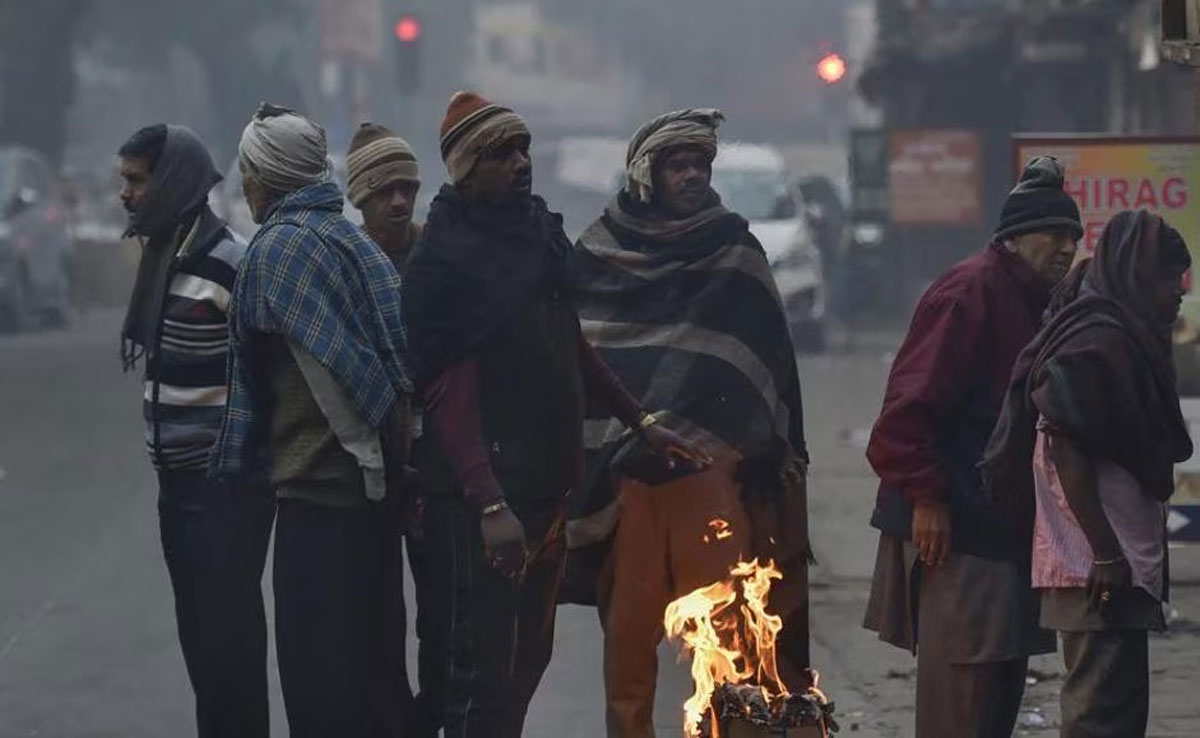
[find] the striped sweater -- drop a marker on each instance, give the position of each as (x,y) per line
(185,381)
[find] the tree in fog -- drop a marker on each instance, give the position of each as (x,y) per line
(38,39)
(223,35)
(37,79)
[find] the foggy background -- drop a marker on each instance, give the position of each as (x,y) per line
(843,92)
(77,76)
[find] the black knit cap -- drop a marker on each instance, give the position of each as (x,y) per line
(1039,203)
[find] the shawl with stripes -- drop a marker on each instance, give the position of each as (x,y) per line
(688,316)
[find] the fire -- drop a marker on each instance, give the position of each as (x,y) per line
(726,628)
(816,687)
(720,528)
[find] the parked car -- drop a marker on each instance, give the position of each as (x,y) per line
(753,180)
(35,243)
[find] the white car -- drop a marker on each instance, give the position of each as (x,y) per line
(752,180)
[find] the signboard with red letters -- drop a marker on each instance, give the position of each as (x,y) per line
(936,178)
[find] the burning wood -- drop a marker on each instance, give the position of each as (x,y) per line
(731,638)
(743,710)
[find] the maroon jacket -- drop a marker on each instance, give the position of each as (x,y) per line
(453,408)
(945,392)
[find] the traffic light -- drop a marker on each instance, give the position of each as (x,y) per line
(831,69)
(408,54)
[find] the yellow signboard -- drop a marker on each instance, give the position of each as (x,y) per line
(1107,174)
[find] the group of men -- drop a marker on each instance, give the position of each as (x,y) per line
(615,422)
(1025,450)
(479,391)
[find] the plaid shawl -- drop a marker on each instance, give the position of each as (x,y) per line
(315,278)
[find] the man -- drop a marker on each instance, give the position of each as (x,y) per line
(948,571)
(318,388)
(383,181)
(677,296)
(214,533)
(1094,405)
(496,347)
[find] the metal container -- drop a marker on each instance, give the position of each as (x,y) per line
(735,728)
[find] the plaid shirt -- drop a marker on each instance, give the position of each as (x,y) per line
(314,277)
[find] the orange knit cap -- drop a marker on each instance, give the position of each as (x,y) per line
(473,125)
(462,104)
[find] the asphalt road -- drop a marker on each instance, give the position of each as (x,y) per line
(87,633)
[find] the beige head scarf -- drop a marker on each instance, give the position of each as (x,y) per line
(691,127)
(284,150)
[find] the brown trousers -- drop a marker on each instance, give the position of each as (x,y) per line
(659,554)
(973,623)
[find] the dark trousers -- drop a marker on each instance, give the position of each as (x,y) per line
(1106,692)
(433,593)
(339,620)
(214,539)
(501,631)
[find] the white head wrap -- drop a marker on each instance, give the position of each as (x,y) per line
(692,127)
(284,150)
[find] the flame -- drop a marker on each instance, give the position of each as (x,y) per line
(729,633)
(720,529)
(762,627)
(815,688)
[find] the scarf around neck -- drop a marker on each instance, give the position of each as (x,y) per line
(1100,371)
(173,207)
(471,272)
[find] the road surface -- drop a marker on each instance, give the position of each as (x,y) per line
(87,639)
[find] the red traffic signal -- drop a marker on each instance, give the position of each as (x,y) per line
(408,55)
(831,68)
(408,29)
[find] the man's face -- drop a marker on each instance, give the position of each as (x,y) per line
(682,181)
(258,197)
(504,175)
(135,181)
(389,210)
(1049,254)
(1169,292)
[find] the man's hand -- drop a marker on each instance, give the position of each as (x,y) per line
(1107,582)
(504,542)
(931,532)
(669,445)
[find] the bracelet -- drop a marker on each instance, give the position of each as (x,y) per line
(646,421)
(1109,562)
(495,507)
